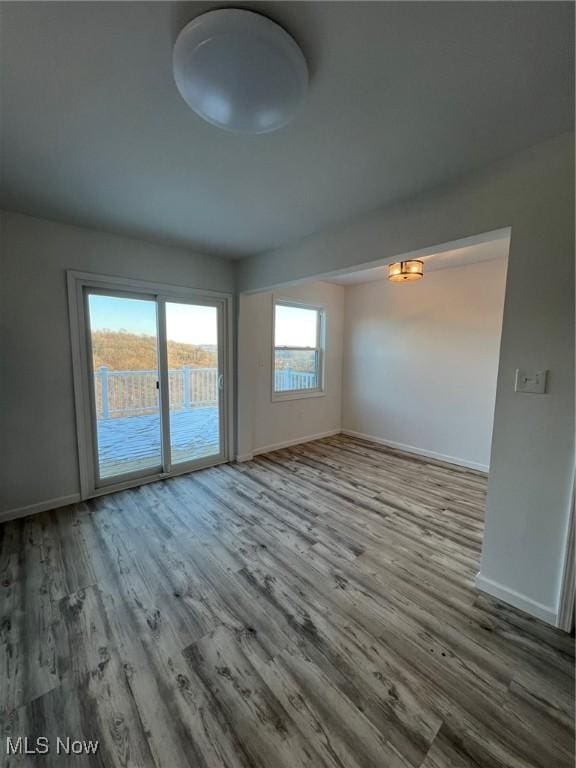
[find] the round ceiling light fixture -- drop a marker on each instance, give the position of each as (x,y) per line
(405,271)
(240,71)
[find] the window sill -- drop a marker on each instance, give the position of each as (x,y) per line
(300,394)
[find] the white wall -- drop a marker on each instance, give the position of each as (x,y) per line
(263,424)
(39,461)
(421,361)
(532,461)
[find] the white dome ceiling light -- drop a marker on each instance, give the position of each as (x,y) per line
(240,71)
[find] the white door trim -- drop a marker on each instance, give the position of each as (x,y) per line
(164,385)
(565,617)
(77,282)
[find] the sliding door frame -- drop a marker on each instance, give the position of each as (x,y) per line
(79,283)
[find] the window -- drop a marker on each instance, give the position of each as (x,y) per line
(298,351)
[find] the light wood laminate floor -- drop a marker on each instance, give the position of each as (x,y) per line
(314,607)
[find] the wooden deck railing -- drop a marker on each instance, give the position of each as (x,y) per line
(135,393)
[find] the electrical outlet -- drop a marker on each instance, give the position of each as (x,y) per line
(530,382)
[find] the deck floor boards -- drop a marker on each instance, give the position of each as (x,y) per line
(313,607)
(132,443)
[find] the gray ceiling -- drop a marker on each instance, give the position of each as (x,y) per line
(403,96)
(485,250)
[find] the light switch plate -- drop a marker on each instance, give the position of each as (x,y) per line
(530,382)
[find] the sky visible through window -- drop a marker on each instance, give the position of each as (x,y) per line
(186,323)
(295,326)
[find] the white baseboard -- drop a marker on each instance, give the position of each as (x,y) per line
(518,600)
(286,444)
(242,457)
(41,506)
(419,451)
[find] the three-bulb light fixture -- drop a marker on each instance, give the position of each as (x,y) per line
(406,271)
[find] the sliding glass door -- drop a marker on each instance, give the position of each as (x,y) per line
(156,379)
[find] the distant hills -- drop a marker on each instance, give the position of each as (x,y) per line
(123,351)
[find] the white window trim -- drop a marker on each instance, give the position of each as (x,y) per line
(300,394)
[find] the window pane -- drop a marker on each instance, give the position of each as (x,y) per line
(295,327)
(125,362)
(192,339)
(295,369)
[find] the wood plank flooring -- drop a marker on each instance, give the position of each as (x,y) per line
(314,607)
